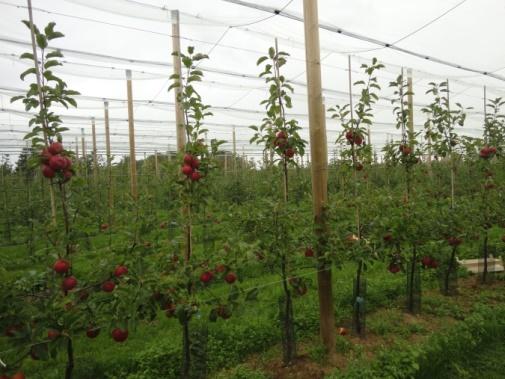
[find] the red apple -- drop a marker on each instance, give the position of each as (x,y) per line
(454,241)
(48,172)
(388,237)
(230,278)
(281,135)
(220,268)
(119,335)
(187,170)
(195,163)
(104,227)
(52,334)
(309,253)
(195,176)
(206,277)
(289,153)
(69,283)
(92,332)
(224,312)
(120,271)
(108,286)
(18,375)
(57,162)
(485,152)
(394,268)
(55,148)
(405,150)
(426,261)
(61,266)
(188,159)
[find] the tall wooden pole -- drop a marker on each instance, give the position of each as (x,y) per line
(179,114)
(410,100)
(95,156)
(156,167)
(131,134)
(77,149)
(110,191)
(84,153)
(234,151)
(319,168)
(486,136)
(180,125)
(41,102)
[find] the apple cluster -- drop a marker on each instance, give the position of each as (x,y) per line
(55,162)
(353,137)
(487,152)
(281,142)
(62,267)
(190,167)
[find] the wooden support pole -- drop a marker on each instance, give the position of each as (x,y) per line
(234,151)
(486,134)
(179,113)
(225,162)
(131,134)
(410,100)
(83,144)
(41,102)
(95,156)
(156,167)
(83,152)
(110,191)
(319,168)
(77,149)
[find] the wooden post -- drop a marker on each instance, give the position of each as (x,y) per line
(156,167)
(486,136)
(109,158)
(179,114)
(84,153)
(225,162)
(180,125)
(131,134)
(234,152)
(77,149)
(410,100)
(319,168)
(95,157)
(41,102)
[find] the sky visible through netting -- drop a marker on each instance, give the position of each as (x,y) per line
(104,38)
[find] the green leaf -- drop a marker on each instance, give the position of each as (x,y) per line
(174,85)
(261,60)
(28,72)
(50,33)
(54,54)
(41,41)
(26,56)
(51,63)
(16,98)
(28,25)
